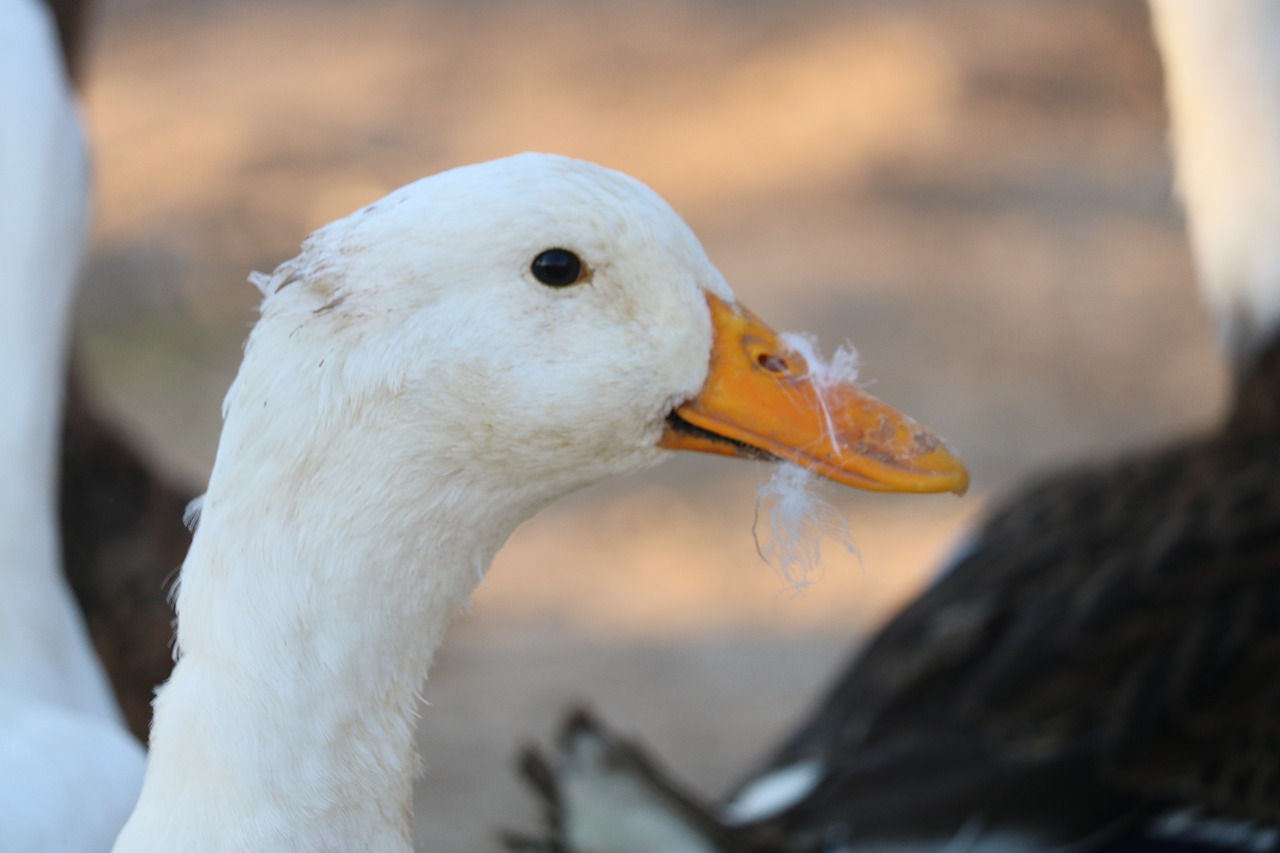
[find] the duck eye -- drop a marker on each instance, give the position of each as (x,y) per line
(558,268)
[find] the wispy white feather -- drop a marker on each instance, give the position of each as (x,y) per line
(792,517)
(792,521)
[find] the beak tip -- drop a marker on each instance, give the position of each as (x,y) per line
(959,478)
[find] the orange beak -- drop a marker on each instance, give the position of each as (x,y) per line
(760,400)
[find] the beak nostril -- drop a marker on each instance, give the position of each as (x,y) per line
(772,363)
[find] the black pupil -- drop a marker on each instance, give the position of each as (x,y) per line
(557,268)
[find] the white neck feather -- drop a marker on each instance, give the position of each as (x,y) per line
(307,621)
(44,652)
(1222,75)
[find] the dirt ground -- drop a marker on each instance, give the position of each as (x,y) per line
(976,193)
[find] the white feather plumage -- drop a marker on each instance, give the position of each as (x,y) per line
(68,770)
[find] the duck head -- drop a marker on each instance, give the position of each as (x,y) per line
(550,323)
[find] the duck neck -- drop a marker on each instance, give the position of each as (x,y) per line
(307,622)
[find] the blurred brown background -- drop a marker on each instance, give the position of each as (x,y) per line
(976,193)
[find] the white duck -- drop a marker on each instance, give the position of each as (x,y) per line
(69,772)
(425,376)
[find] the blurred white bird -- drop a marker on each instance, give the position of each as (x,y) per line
(69,771)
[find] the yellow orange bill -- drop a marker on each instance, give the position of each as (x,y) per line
(761,400)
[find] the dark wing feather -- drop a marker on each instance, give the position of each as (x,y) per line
(1111,642)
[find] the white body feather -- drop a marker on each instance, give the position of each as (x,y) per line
(68,769)
(772,793)
(410,395)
